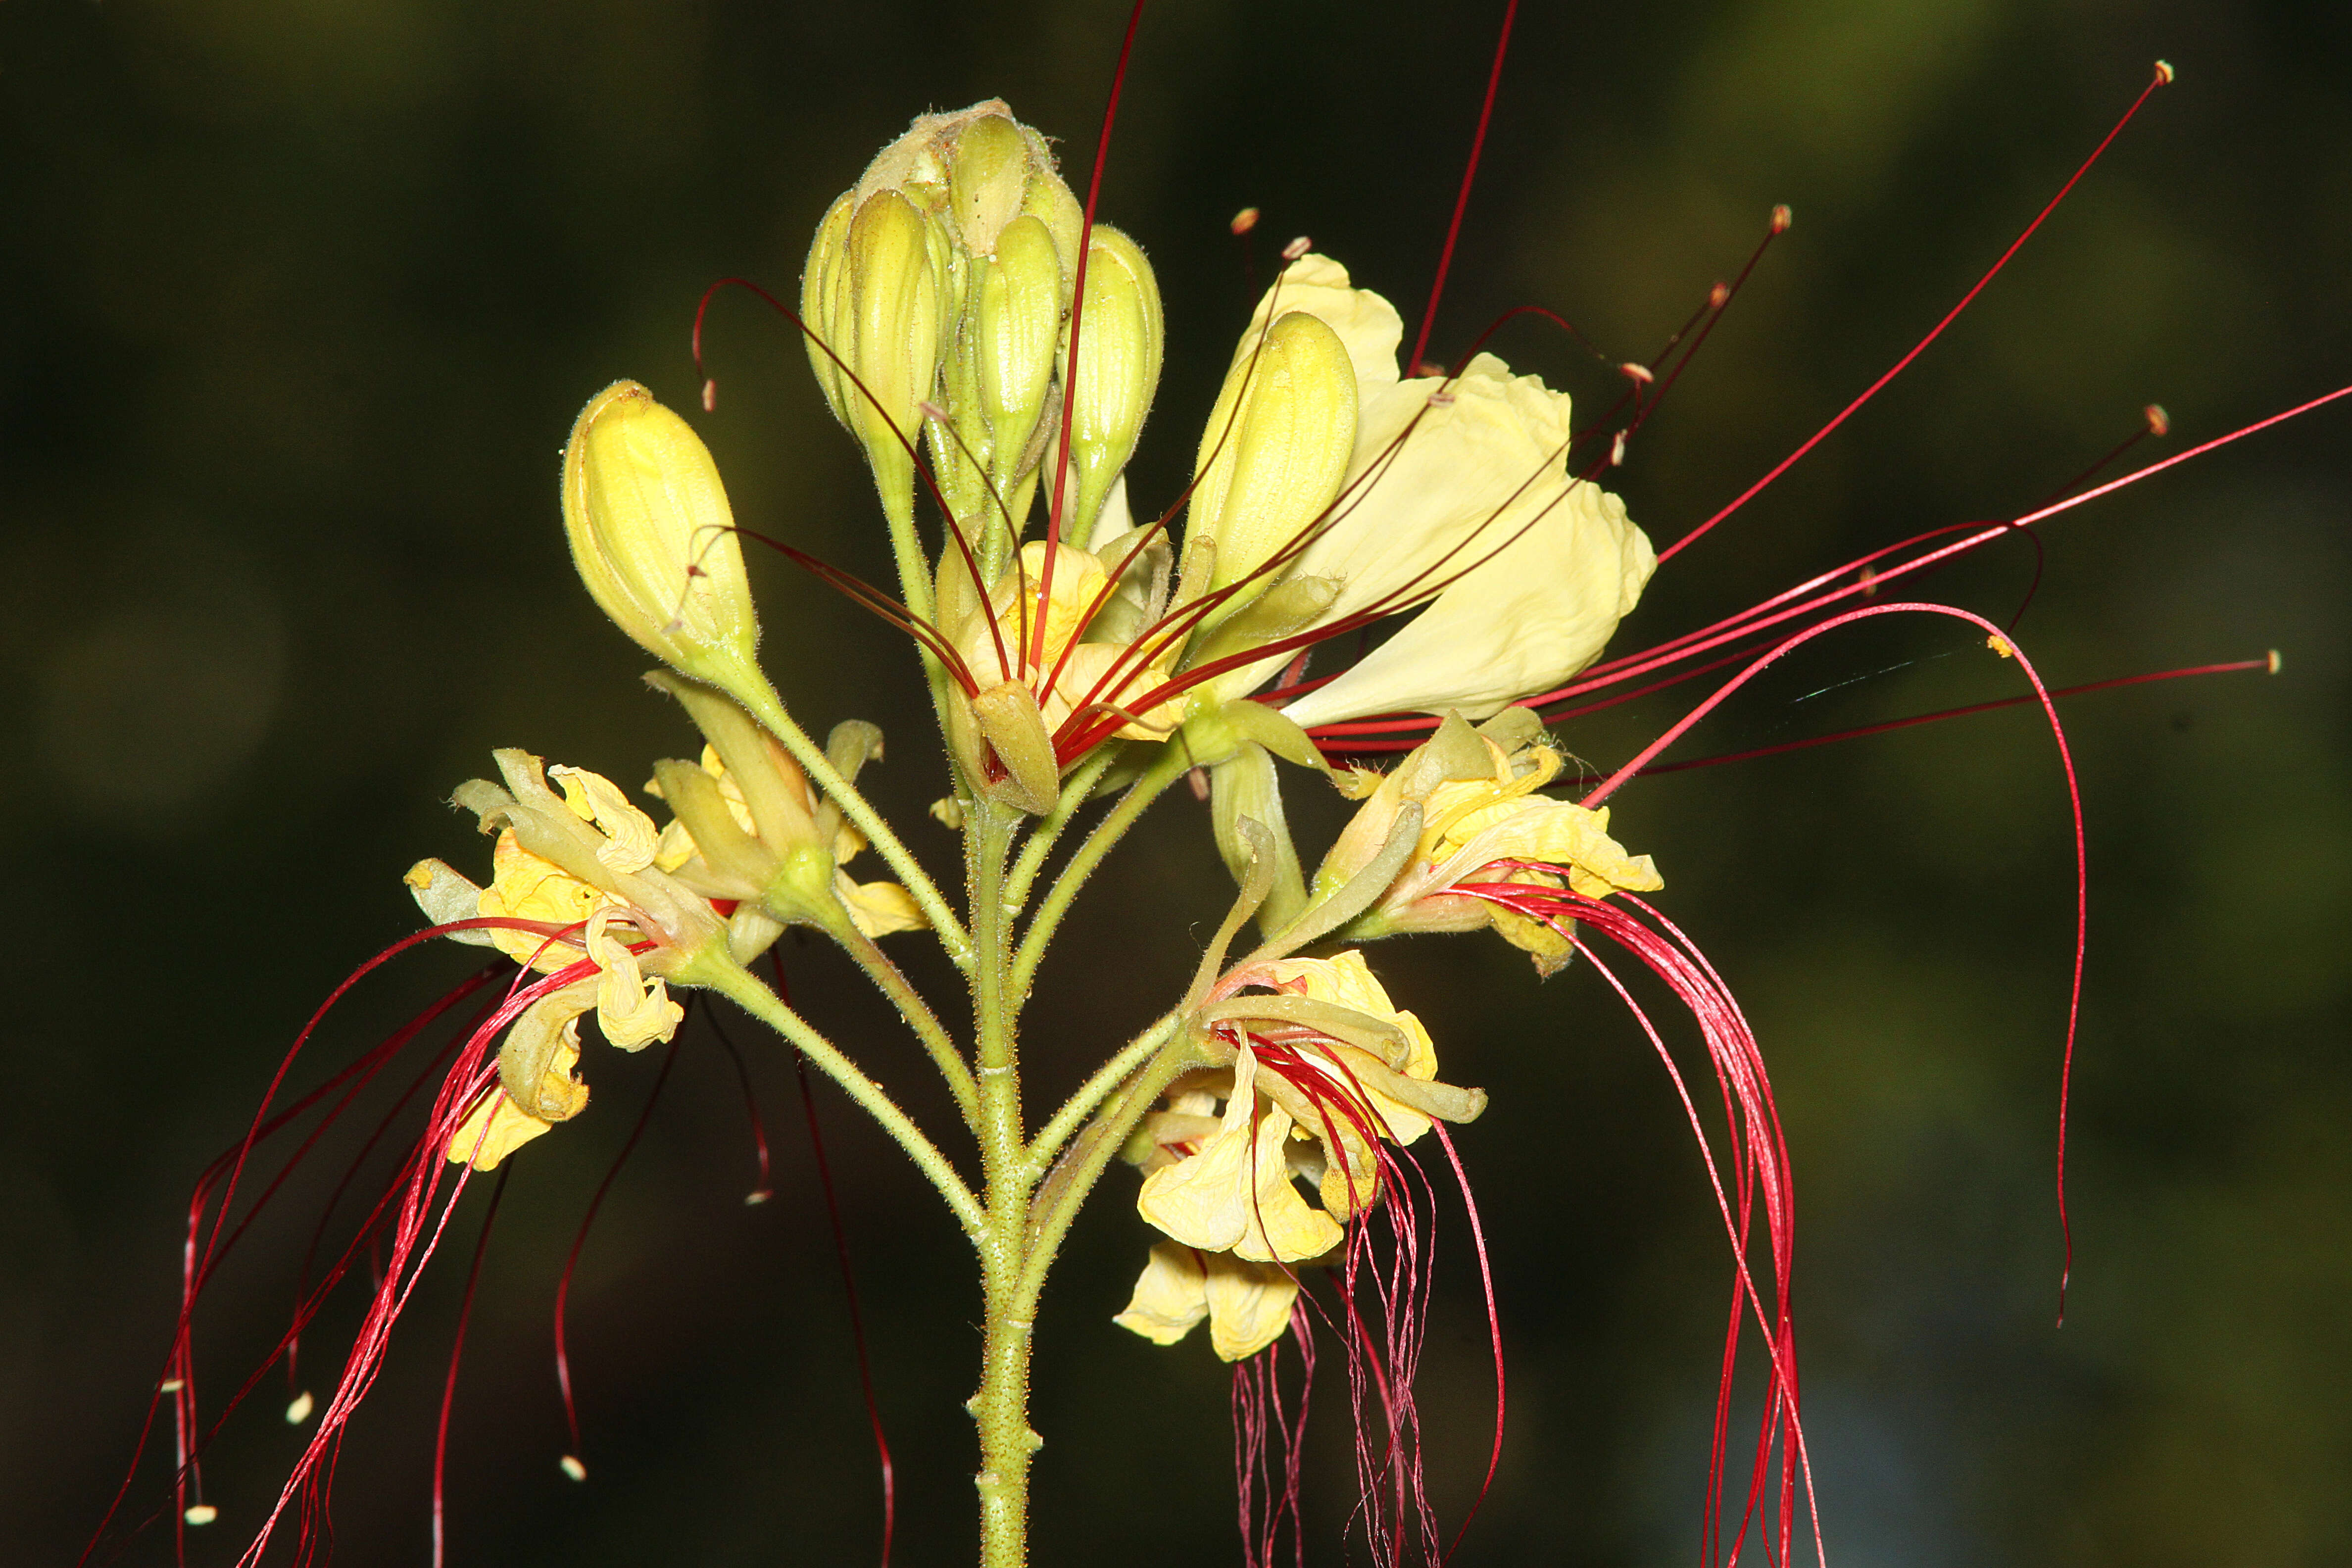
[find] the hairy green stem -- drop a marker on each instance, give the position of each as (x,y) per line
(752,689)
(894,984)
(1165,770)
(739,986)
(1043,836)
(1090,1156)
(1001,1407)
(1094,1091)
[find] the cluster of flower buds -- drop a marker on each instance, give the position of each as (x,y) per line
(936,298)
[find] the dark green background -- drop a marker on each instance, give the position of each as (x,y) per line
(297,301)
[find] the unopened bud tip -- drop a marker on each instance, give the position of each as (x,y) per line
(1245,220)
(570,1466)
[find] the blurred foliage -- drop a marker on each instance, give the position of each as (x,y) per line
(299,298)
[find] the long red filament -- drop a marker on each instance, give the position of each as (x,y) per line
(1462,194)
(848,1277)
(1873,390)
(449,1383)
(1077,311)
(580,1239)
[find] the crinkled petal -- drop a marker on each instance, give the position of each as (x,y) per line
(629,838)
(1171,1296)
(497,1127)
(1249,1305)
(631,1012)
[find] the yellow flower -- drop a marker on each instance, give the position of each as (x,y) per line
(1247,1304)
(1452,494)
(877,908)
(1321,1069)
(1482,821)
(1075,641)
(597,895)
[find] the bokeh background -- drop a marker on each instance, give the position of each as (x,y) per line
(298,298)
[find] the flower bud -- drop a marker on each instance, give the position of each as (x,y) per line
(885,324)
(821,285)
(1016,324)
(990,176)
(652,534)
(1120,335)
(1277,446)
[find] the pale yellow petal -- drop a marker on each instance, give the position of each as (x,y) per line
(631,1012)
(879,907)
(1248,1305)
(629,838)
(1171,1296)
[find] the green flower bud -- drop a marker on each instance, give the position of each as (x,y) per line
(990,178)
(821,285)
(652,534)
(885,324)
(1120,335)
(1017,328)
(1277,444)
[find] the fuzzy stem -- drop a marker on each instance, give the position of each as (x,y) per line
(1043,838)
(749,685)
(1094,1091)
(1165,770)
(1001,1407)
(917,1011)
(744,989)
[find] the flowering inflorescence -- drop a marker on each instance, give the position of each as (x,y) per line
(988,344)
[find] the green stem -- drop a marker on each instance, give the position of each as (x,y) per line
(894,984)
(735,984)
(1001,1407)
(752,689)
(1043,838)
(1164,769)
(1090,1156)
(1094,1091)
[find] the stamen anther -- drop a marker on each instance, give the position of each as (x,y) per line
(1719,296)
(1781,217)
(2160,423)
(2164,70)
(299,1410)
(570,1466)
(757,1196)
(1297,248)
(2275,661)
(1640,372)
(1617,451)
(203,1513)
(710,394)
(1244,221)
